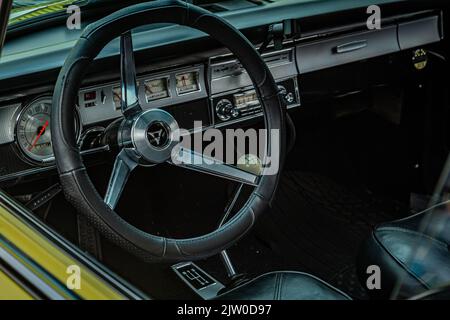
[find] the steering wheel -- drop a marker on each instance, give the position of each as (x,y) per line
(138,146)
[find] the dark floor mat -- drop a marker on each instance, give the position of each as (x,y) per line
(347,280)
(315,226)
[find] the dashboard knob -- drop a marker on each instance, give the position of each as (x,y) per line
(288,97)
(225,110)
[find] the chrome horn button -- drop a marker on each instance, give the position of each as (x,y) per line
(154,134)
(158,134)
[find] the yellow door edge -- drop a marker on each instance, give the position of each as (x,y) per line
(77,279)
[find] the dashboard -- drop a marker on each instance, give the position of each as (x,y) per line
(208,90)
(178,86)
(217,93)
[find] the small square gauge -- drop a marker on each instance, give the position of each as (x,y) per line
(156,89)
(187,82)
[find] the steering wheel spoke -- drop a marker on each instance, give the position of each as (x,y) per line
(122,169)
(195,161)
(130,93)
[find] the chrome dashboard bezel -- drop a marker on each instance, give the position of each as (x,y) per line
(221,83)
(182,94)
(19,149)
(107,110)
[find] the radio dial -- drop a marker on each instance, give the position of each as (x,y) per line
(225,110)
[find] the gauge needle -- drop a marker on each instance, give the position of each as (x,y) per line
(39,136)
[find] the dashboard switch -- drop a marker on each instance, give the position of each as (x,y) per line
(288,97)
(225,110)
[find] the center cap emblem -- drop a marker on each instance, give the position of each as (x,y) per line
(154,135)
(158,134)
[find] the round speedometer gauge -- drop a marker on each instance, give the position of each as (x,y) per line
(33,130)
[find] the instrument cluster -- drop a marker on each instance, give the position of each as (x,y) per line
(101,103)
(181,91)
(32,122)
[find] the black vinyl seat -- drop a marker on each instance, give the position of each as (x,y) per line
(413,254)
(285,285)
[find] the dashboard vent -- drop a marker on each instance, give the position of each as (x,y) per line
(278,58)
(225,67)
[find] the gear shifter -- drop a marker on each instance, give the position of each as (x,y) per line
(235,278)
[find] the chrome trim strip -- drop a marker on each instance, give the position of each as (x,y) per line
(270,46)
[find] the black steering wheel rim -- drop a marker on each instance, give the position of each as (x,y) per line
(75,181)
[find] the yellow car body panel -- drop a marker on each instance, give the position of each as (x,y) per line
(51,259)
(11,290)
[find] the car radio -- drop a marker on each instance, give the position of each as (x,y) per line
(233,97)
(243,104)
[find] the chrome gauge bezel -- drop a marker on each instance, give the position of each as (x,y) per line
(25,155)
